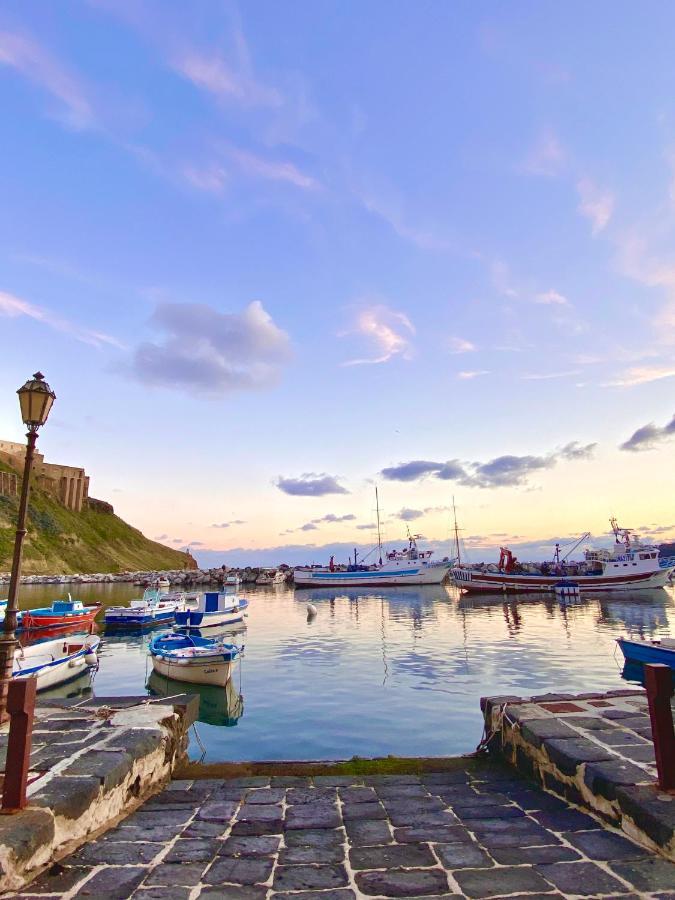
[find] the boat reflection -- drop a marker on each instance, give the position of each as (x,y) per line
(642,612)
(634,672)
(29,637)
(77,688)
(420,595)
(213,631)
(222,706)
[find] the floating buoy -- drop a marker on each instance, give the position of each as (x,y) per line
(311,610)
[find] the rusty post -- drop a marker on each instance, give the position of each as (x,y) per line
(21,707)
(659,684)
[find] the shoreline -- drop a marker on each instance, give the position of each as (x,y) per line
(176,577)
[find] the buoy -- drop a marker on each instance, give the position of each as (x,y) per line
(311,610)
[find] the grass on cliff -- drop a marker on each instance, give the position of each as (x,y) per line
(60,541)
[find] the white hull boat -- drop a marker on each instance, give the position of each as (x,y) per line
(212,610)
(155,606)
(630,565)
(192,659)
(400,567)
(56,662)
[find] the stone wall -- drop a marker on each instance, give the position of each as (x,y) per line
(9,484)
(70,484)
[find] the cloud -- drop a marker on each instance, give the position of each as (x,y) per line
(642,375)
(206,351)
(546,376)
(502,471)
(551,298)
(367,526)
(409,515)
(331,517)
(547,157)
(14,307)
(472,373)
(411,471)
(389,210)
(161,537)
(272,170)
(595,204)
(311,485)
(385,329)
(575,450)
(211,73)
(21,53)
(211,178)
(460,345)
(647,437)
(229,524)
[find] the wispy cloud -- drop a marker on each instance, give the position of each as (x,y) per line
(213,74)
(229,524)
(272,170)
(551,298)
(546,376)
(460,345)
(642,375)
(13,307)
(211,178)
(596,204)
(311,484)
(472,373)
(547,157)
(648,436)
(386,330)
(36,64)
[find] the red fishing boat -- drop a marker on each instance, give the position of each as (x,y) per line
(60,613)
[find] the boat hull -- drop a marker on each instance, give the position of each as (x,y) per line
(435,574)
(645,652)
(194,671)
(491,582)
(208,620)
(139,619)
(32,619)
(55,671)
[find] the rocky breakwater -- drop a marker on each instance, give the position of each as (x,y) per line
(177,578)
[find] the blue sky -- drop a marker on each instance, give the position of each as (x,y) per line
(266,252)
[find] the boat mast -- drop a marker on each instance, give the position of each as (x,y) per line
(454,512)
(379,536)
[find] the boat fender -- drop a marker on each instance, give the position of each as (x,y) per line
(91,658)
(311,610)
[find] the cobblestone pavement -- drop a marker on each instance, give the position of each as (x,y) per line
(479,832)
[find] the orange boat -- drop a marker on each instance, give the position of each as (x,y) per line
(60,613)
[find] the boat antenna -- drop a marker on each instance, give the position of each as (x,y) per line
(454,513)
(379,536)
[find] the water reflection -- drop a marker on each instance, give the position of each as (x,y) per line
(222,707)
(396,670)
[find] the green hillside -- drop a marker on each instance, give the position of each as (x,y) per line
(61,542)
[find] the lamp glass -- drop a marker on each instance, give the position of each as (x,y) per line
(36,399)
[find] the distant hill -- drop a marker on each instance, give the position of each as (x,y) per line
(61,542)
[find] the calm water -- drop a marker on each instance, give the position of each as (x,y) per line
(376,672)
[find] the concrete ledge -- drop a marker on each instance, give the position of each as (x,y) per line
(90,767)
(593,750)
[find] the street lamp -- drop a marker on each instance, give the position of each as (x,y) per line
(36,399)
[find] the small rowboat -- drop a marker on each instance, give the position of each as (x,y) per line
(193,659)
(641,651)
(212,609)
(61,612)
(55,662)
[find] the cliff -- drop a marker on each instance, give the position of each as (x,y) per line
(61,541)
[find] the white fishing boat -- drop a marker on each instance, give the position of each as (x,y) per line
(630,564)
(154,606)
(232,580)
(195,660)
(271,577)
(163,583)
(212,608)
(56,662)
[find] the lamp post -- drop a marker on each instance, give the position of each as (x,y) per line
(36,399)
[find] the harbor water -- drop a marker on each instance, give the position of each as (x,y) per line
(378,671)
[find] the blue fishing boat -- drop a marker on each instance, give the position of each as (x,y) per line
(155,606)
(212,608)
(196,660)
(642,651)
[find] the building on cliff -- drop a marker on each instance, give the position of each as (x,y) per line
(69,484)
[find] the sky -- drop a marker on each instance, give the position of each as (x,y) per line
(272,255)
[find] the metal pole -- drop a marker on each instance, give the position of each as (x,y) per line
(8,640)
(659,685)
(21,707)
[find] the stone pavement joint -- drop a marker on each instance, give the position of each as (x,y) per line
(481,832)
